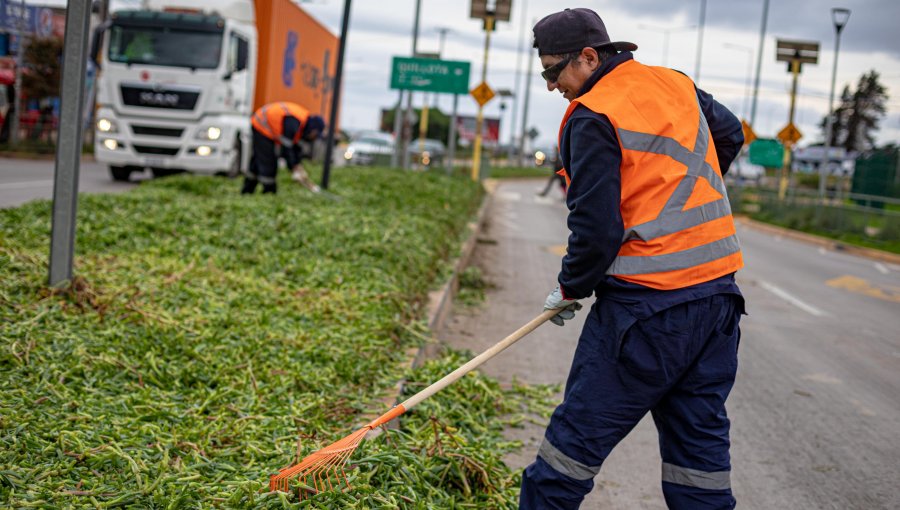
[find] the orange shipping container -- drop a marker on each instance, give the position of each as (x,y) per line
(297,58)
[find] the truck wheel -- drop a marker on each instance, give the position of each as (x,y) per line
(235,169)
(120,173)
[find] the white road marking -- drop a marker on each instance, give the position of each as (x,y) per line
(882,268)
(823,251)
(25,184)
(510,196)
(812,310)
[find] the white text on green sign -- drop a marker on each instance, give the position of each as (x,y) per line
(447,76)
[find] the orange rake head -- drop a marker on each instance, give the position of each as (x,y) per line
(316,471)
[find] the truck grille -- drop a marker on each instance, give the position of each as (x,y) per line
(156,131)
(162,151)
(150,97)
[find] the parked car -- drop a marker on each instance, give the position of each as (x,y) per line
(370,148)
(427,152)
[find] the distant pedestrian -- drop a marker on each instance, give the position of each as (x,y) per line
(652,235)
(557,178)
(278,129)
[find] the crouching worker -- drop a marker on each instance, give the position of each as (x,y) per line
(278,129)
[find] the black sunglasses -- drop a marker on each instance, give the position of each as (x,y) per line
(551,74)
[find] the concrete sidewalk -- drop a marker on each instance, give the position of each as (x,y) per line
(519,249)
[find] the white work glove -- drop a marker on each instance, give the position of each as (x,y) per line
(568,307)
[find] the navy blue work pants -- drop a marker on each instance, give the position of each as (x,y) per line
(679,364)
(263,165)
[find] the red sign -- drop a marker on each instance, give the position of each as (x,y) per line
(490,132)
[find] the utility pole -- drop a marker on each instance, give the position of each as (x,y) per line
(515,100)
(700,41)
(759,56)
(840,17)
(405,132)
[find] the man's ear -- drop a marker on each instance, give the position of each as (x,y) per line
(590,57)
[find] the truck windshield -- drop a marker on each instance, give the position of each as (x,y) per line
(164,46)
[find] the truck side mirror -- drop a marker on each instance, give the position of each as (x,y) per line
(97,42)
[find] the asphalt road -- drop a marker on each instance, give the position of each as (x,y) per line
(815,411)
(23,180)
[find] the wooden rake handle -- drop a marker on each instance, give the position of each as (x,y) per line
(474,362)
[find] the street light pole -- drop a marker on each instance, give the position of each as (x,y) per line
(839,16)
(745,108)
(700,41)
(759,54)
(666,32)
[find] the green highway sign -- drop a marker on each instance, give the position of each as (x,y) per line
(429,75)
(767,152)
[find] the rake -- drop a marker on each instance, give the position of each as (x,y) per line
(316,471)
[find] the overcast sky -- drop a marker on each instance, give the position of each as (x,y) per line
(381,29)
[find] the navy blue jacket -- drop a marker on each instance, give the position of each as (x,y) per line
(592,157)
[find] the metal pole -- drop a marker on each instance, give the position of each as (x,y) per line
(336,96)
(17,100)
(759,56)
(700,41)
(406,127)
(68,148)
(479,119)
(515,101)
(451,155)
(398,126)
(527,84)
(786,160)
(829,122)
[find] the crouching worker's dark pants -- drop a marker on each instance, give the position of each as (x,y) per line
(263,165)
(679,364)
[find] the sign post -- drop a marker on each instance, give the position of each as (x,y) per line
(491,12)
(794,53)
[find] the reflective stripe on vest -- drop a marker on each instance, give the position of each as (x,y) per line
(709,480)
(261,122)
(678,225)
(564,464)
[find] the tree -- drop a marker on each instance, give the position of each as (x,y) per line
(856,118)
(42,73)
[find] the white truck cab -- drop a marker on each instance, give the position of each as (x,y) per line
(175,88)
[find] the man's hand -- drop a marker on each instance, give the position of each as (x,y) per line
(557,300)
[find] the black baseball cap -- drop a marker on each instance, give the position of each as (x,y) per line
(572,30)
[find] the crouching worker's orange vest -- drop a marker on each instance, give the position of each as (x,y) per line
(269,120)
(678,225)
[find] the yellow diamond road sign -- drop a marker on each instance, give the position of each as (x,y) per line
(482,93)
(749,135)
(790,134)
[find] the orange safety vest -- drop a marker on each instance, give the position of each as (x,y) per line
(269,120)
(678,225)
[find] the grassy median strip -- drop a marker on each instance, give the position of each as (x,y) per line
(205,332)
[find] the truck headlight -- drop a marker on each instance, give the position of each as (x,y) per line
(209,133)
(105,125)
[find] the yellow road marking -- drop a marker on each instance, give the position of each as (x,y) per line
(559,249)
(861,286)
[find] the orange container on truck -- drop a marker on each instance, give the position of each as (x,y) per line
(179,79)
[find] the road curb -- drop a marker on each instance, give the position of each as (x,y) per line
(832,244)
(440,302)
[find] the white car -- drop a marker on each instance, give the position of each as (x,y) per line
(370,148)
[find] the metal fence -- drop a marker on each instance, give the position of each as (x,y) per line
(869,220)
